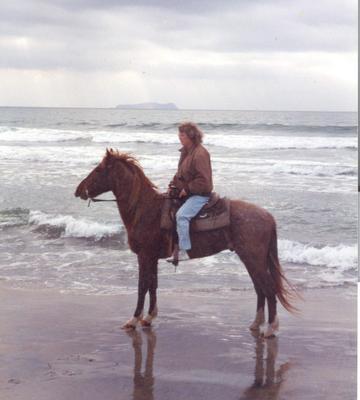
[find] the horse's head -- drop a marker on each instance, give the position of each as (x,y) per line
(97,182)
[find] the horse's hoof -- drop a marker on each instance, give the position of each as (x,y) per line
(270,332)
(145,324)
(254,327)
(258,321)
(272,328)
(269,335)
(128,327)
(131,324)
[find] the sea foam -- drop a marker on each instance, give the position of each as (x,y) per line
(68,226)
(233,141)
(287,167)
(11,134)
(340,256)
(217,138)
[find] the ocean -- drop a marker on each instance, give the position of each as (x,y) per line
(300,166)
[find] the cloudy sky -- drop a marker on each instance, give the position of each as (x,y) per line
(244,54)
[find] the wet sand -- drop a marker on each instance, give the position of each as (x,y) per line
(65,346)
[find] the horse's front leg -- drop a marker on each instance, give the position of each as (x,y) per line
(153,310)
(143,287)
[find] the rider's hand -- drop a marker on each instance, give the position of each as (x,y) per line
(182,193)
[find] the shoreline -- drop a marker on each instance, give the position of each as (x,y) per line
(61,346)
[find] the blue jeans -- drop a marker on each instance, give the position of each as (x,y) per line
(187,211)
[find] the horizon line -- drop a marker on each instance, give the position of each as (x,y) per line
(178,109)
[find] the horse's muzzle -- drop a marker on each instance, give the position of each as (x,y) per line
(83,194)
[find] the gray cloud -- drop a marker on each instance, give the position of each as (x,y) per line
(183,41)
(236,25)
(178,6)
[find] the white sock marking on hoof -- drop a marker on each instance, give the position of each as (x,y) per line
(132,323)
(149,318)
(259,320)
(154,313)
(272,328)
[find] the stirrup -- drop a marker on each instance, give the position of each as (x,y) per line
(174,261)
(175,256)
(183,255)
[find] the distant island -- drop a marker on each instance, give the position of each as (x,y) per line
(148,106)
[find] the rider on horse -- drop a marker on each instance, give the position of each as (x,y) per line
(193,182)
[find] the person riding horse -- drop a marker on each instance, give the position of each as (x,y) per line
(253,229)
(193,181)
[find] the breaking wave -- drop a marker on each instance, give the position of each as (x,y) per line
(341,256)
(150,133)
(232,141)
(238,127)
(281,127)
(8,134)
(292,167)
(68,226)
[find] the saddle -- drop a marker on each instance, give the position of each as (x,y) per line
(215,214)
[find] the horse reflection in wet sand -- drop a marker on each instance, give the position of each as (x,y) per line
(143,381)
(252,230)
(268,380)
(267,383)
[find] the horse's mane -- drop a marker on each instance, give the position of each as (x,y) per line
(134,165)
(140,180)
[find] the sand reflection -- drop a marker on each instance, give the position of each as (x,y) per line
(268,380)
(143,381)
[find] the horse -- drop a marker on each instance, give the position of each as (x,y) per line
(252,229)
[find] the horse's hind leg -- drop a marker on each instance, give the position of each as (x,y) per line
(260,310)
(254,268)
(273,318)
(257,267)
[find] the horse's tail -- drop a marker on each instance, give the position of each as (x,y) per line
(284,290)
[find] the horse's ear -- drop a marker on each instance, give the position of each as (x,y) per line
(109,158)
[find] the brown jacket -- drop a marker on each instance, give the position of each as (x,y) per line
(194,171)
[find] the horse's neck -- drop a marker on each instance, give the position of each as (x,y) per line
(132,210)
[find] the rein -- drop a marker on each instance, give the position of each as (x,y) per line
(97,200)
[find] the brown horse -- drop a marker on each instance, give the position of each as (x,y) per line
(252,229)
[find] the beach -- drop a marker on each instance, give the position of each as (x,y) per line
(70,346)
(68,280)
